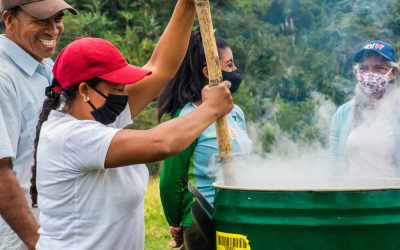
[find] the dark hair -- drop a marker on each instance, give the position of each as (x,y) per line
(188,82)
(52,102)
(13,12)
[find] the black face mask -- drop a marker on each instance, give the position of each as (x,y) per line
(113,106)
(234,77)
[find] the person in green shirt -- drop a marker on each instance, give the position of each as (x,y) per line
(180,97)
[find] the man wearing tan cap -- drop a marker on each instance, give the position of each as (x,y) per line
(32,30)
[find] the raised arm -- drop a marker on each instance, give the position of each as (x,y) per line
(166,58)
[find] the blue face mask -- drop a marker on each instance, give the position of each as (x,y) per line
(234,77)
(111,109)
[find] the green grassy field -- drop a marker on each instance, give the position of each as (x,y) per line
(157,236)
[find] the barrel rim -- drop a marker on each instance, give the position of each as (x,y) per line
(220,185)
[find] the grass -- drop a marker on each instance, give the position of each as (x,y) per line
(157,236)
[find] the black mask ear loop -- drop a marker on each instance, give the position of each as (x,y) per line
(97,91)
(88,101)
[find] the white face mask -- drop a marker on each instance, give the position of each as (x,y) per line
(372,83)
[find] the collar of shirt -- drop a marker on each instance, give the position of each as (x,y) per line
(25,61)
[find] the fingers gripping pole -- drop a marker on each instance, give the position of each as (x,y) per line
(215,77)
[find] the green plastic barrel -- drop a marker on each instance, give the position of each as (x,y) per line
(359,217)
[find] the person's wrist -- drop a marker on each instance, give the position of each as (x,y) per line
(31,245)
(211,110)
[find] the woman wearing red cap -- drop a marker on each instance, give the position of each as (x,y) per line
(90,194)
(90,175)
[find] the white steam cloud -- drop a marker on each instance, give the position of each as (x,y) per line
(306,166)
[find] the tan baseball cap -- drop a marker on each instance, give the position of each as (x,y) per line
(41,9)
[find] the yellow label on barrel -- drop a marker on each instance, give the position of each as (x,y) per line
(228,241)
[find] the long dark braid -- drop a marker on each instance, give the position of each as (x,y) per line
(52,102)
(188,82)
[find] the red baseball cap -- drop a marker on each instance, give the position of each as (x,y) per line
(87,58)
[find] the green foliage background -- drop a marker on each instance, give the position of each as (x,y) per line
(287,49)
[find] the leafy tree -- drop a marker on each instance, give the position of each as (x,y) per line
(286,49)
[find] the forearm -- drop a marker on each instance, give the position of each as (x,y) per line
(167,57)
(184,130)
(14,208)
(169,138)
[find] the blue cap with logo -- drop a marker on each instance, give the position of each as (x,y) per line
(382,48)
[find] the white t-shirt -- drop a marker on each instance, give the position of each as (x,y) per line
(82,204)
(370,146)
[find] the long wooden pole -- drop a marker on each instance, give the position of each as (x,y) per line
(215,78)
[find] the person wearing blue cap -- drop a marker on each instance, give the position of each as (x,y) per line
(365,132)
